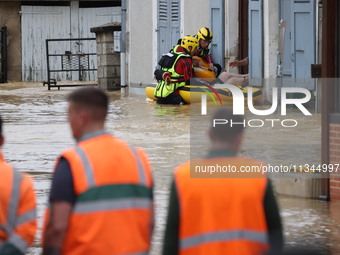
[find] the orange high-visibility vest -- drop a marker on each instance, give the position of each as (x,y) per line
(221,215)
(17,208)
(113,210)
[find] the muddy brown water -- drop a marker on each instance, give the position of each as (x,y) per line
(36,131)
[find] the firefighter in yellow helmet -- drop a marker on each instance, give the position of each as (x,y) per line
(175,72)
(205,36)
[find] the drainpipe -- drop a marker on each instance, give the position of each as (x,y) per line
(123,47)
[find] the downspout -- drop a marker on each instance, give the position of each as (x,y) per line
(123,46)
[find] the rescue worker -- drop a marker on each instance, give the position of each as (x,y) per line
(17,208)
(101,198)
(176,72)
(205,36)
(233,214)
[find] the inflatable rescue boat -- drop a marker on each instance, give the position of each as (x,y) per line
(193,93)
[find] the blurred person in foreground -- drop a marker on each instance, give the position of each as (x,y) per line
(17,208)
(232,213)
(101,198)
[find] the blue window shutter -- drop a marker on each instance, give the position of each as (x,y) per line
(168,25)
(255,41)
(163,23)
(217,26)
(303,30)
(175,21)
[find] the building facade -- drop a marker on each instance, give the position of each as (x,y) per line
(30,23)
(331,98)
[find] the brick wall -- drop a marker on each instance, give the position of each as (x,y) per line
(334,158)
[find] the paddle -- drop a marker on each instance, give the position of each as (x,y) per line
(205,83)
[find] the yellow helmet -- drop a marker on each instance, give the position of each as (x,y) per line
(205,34)
(189,41)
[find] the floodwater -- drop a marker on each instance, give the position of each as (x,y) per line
(36,131)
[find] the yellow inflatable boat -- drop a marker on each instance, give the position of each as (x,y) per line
(203,71)
(192,93)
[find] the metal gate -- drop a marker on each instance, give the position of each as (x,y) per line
(67,56)
(3,54)
(39,23)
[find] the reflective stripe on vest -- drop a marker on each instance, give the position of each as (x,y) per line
(245,229)
(118,205)
(109,204)
(26,217)
(13,220)
(86,163)
(224,236)
(87,167)
(137,253)
(13,207)
(89,170)
(142,179)
(175,49)
(202,53)
(18,242)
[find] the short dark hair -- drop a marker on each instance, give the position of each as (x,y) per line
(0,126)
(226,132)
(92,98)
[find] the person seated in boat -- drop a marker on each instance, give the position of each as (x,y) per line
(176,71)
(225,77)
(201,71)
(205,36)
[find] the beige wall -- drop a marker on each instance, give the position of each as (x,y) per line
(9,16)
(231,33)
(142,35)
(194,15)
(139,50)
(271,31)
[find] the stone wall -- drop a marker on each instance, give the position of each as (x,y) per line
(108,60)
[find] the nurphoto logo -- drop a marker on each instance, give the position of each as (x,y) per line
(239,106)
